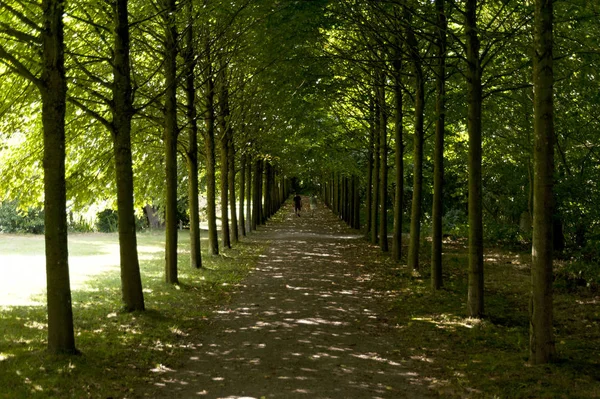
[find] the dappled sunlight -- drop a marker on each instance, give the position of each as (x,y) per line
(450,322)
(307,318)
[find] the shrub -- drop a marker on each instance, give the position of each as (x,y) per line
(107,221)
(15,220)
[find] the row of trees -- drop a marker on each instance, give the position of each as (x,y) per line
(135,76)
(480,76)
(329,91)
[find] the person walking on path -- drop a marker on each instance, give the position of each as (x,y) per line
(297,204)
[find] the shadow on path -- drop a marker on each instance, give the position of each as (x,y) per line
(305,324)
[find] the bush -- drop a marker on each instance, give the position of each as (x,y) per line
(107,221)
(15,220)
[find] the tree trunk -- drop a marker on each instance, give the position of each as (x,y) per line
(376,171)
(256,196)
(170,140)
(209,148)
(438,157)
(383,196)
(418,142)
(223,118)
(249,198)
(53,88)
(398,161)
(192,150)
(474,98)
(122,113)
(369,200)
(242,195)
(541,339)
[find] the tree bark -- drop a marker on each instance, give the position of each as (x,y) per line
(170,140)
(53,88)
(398,161)
(192,150)
(249,198)
(383,148)
(369,200)
(209,148)
(223,118)
(242,195)
(541,339)
(235,235)
(376,172)
(474,98)
(122,113)
(418,142)
(438,157)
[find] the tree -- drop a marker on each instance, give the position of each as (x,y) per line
(171,131)
(192,148)
(438,177)
(52,86)
(541,339)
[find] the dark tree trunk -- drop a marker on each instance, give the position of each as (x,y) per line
(369,199)
(249,198)
(53,88)
(170,140)
(256,201)
(541,338)
(192,150)
(438,176)
(376,171)
(242,195)
(225,137)
(418,143)
(209,148)
(474,98)
(383,148)
(122,113)
(398,161)
(235,235)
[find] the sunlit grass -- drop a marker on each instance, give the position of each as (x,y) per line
(119,349)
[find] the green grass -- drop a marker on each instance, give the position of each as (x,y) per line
(118,349)
(488,358)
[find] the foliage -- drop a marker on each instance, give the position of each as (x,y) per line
(14,219)
(107,221)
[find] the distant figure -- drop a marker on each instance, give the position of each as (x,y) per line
(297,204)
(313,205)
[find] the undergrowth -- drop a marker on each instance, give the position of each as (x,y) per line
(487,358)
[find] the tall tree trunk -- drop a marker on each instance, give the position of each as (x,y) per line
(170,140)
(418,143)
(235,235)
(242,194)
(249,198)
(53,88)
(209,148)
(122,113)
(369,200)
(383,148)
(541,339)
(223,118)
(356,204)
(474,98)
(438,158)
(192,150)
(376,171)
(398,161)
(256,201)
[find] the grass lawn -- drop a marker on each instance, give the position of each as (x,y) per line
(117,348)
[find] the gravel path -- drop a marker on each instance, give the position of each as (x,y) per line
(307,323)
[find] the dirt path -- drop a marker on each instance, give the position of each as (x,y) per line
(307,323)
